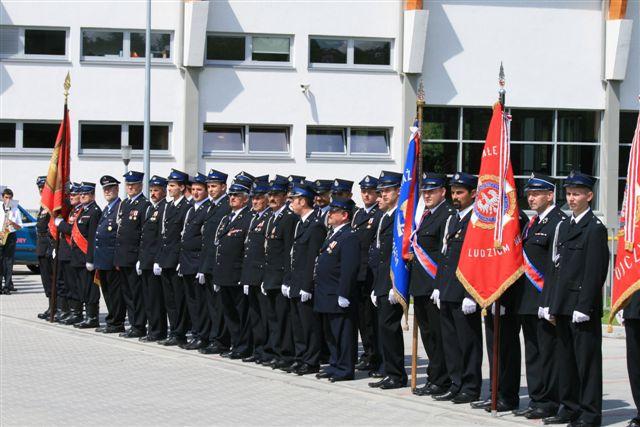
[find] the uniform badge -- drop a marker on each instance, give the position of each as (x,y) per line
(109,228)
(332,245)
(545,220)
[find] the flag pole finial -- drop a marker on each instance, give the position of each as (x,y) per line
(67,86)
(501,82)
(421,97)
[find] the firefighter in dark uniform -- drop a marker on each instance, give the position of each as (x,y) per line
(427,250)
(131,219)
(538,333)
(308,236)
(68,294)
(253,272)
(44,246)
(150,242)
(321,200)
(105,247)
(580,261)
(336,290)
(218,333)
(83,239)
(167,259)
(227,269)
(630,318)
(389,309)
(364,225)
(459,315)
(279,239)
(190,252)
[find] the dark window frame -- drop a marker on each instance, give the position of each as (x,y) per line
(350,55)
(21,55)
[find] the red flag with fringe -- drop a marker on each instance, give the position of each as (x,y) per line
(54,193)
(626,271)
(491,258)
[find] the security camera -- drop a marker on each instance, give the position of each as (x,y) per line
(304,88)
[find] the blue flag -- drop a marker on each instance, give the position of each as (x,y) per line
(404,221)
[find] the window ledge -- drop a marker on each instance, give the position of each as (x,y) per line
(25,153)
(284,67)
(25,60)
(126,62)
(116,154)
(349,158)
(248,156)
(351,69)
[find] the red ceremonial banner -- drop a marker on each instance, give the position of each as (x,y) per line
(53,197)
(491,258)
(626,271)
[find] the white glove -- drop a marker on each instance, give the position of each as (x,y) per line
(580,317)
(469,306)
(548,316)
(286,290)
(216,288)
(305,296)
(138,269)
(53,253)
(245,289)
(374,300)
(156,269)
(620,317)
(392,297)
(200,278)
(89,266)
(262,289)
(435,297)
(178,270)
(540,312)
(343,302)
(57,221)
(502,309)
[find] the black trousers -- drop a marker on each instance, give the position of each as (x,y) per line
(344,343)
(368,325)
(7,256)
(90,291)
(539,353)
(71,289)
(579,359)
(61,285)
(154,304)
(46,273)
(197,307)
(175,303)
(215,328)
(307,329)
(428,318)
(270,314)
(508,359)
(632,331)
(280,334)
(462,343)
(111,285)
(391,339)
(236,310)
(257,305)
(133,298)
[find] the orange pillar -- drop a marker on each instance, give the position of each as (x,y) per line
(412,4)
(617,9)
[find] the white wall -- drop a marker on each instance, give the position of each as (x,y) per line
(630,87)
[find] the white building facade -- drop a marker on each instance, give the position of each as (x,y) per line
(322,89)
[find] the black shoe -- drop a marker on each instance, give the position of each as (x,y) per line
(172,341)
(539,413)
(391,383)
(430,389)
(635,422)
(281,364)
(113,329)
(580,423)
(323,375)
(375,374)
(306,369)
(89,323)
(237,356)
(149,338)
(270,363)
(73,319)
(338,379)
(132,333)
(212,349)
(522,412)
(293,367)
(251,359)
(365,365)
(44,315)
(101,329)
(61,315)
(558,419)
(64,318)
(501,406)
(377,384)
(445,396)
(195,344)
(481,404)
(464,398)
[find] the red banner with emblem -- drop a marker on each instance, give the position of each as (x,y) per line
(491,258)
(54,192)
(626,271)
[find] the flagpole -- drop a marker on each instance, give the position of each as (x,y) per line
(414,337)
(53,300)
(495,378)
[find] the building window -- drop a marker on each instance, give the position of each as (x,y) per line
(628,122)
(124,45)
(39,135)
(7,135)
(328,52)
(552,142)
(112,136)
(33,43)
(354,142)
(241,49)
(246,139)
